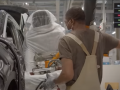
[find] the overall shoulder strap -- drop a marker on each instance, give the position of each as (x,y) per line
(96,39)
(79,42)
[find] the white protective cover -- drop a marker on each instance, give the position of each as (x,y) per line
(32,81)
(93,27)
(43,35)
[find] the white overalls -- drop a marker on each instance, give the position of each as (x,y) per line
(88,78)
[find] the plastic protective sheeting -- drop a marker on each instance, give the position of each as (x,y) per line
(29,60)
(94,27)
(43,35)
(32,81)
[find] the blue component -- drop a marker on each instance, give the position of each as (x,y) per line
(68,31)
(106,63)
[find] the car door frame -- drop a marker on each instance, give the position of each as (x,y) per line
(15,31)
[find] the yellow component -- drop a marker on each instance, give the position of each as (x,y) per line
(55,57)
(114,85)
(87,26)
(106,55)
(46,63)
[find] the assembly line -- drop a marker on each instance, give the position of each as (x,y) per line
(37,52)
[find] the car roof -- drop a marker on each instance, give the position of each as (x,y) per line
(14,11)
(17,9)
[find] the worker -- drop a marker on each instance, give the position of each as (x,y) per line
(81,54)
(43,36)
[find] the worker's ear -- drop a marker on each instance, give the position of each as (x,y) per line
(72,21)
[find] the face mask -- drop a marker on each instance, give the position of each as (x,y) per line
(68,31)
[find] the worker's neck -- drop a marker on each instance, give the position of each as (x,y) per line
(80,27)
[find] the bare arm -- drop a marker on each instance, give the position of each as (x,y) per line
(67,72)
(110,42)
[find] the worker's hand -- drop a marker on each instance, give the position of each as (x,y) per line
(49,84)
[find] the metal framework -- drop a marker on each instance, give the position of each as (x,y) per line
(59,7)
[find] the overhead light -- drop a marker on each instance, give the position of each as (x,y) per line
(82,8)
(113,32)
(105,2)
(100,1)
(94,23)
(27,3)
(61,22)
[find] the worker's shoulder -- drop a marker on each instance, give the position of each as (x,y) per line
(97,30)
(90,32)
(66,39)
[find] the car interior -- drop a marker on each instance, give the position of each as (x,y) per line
(9,34)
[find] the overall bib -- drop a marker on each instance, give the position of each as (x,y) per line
(88,78)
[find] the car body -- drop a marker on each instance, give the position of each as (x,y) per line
(12,64)
(17,13)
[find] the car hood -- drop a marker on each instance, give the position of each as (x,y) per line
(14,11)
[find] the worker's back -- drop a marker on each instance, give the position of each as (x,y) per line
(76,54)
